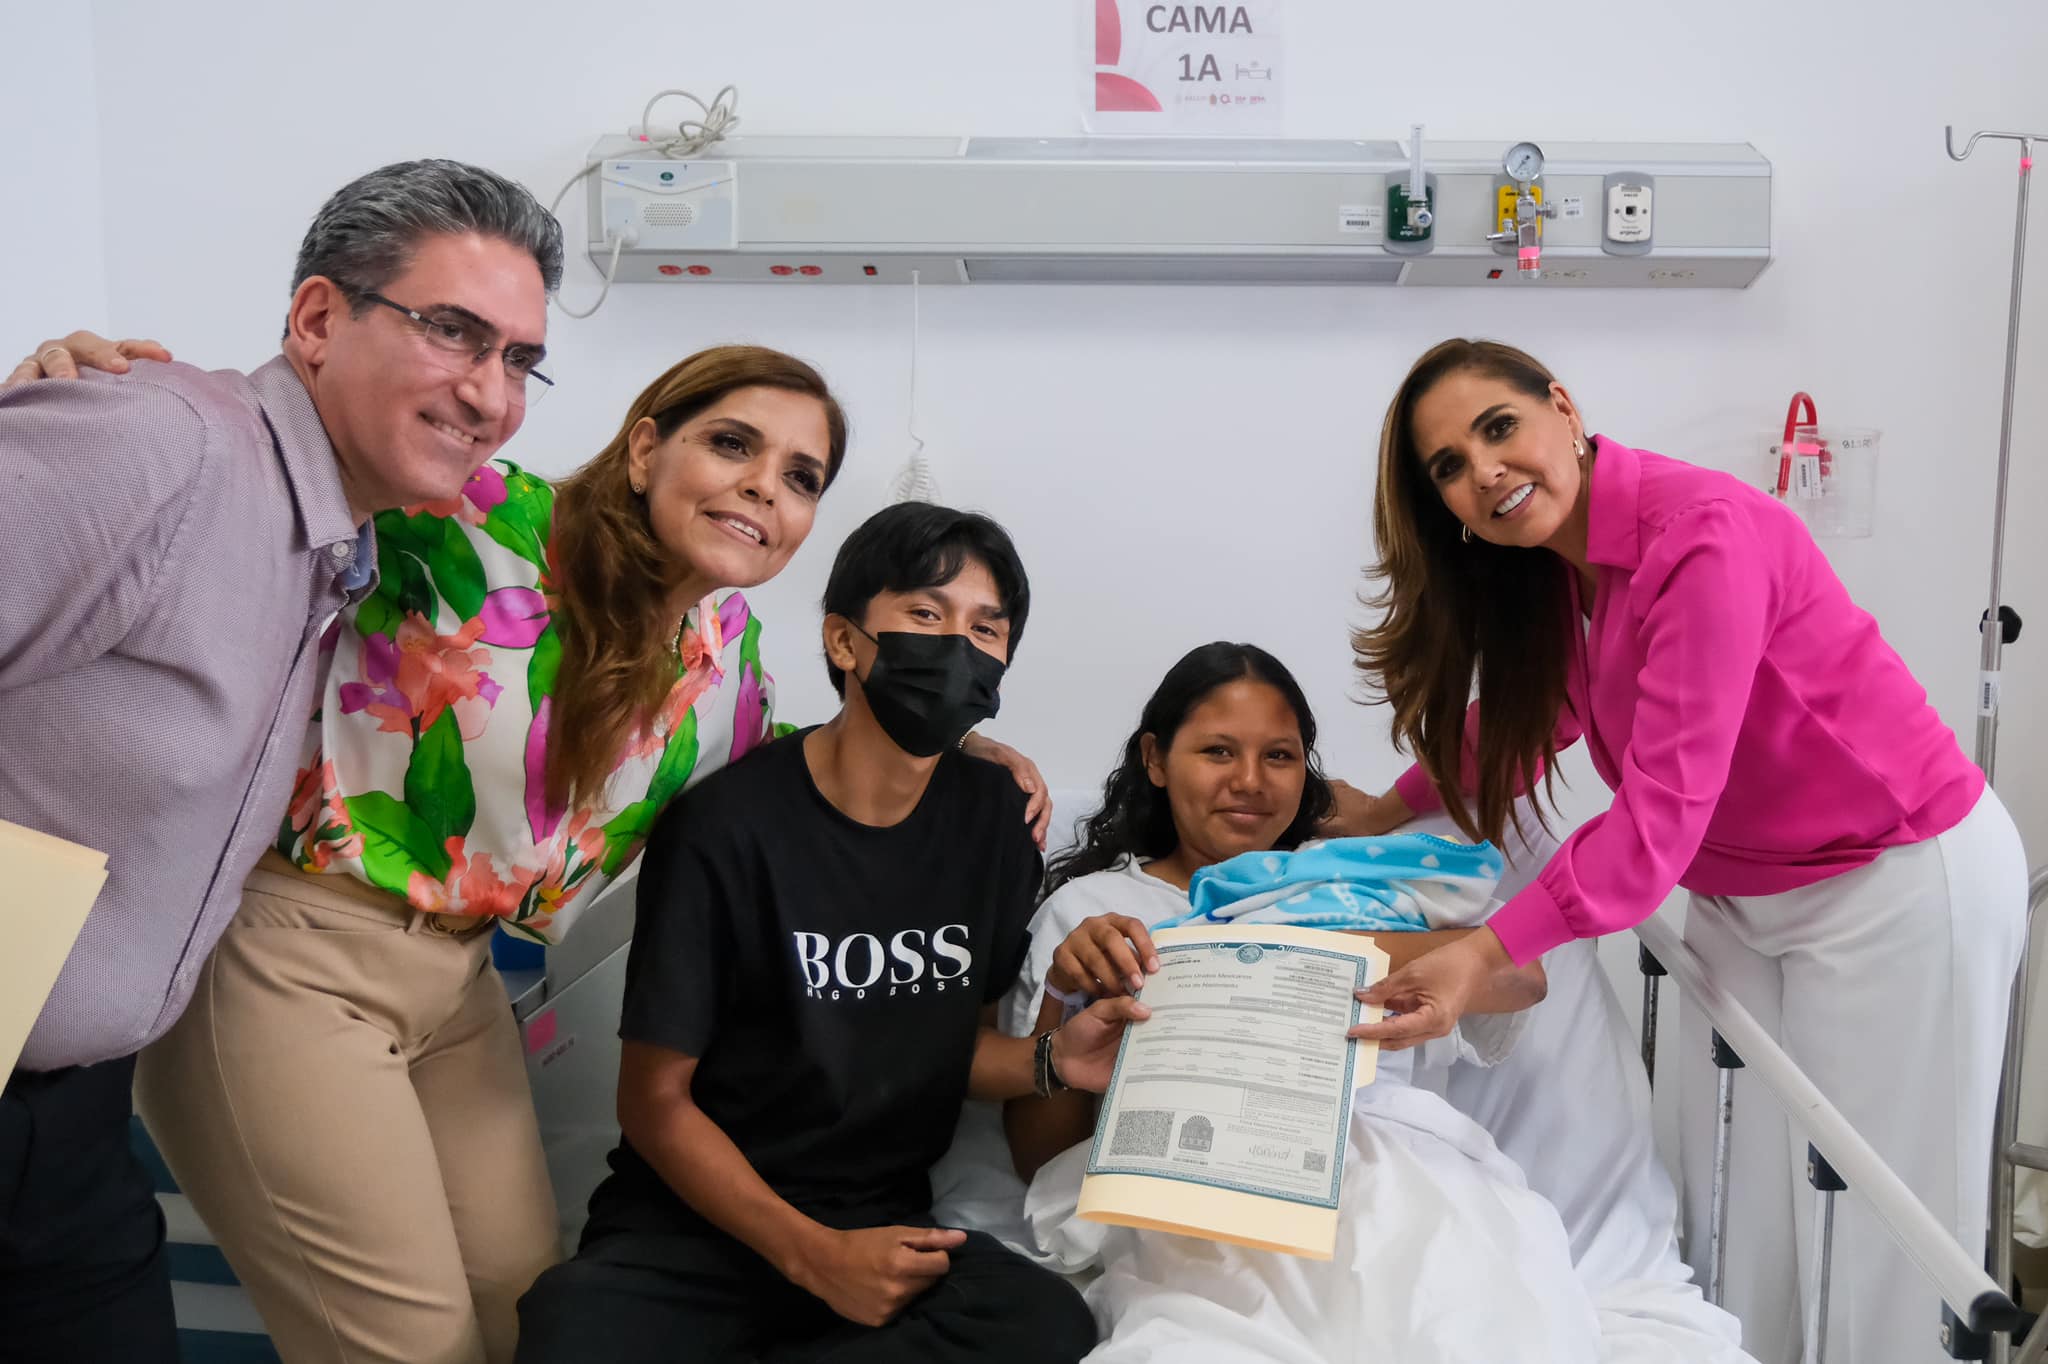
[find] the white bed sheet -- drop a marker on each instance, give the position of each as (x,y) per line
(1479,1269)
(1570,1106)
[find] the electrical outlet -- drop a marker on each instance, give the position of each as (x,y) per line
(1628,213)
(1628,226)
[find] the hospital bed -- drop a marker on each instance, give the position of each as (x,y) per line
(1572,1107)
(1980,1318)
(2010,1155)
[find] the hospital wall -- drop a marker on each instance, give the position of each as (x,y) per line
(52,228)
(1177,464)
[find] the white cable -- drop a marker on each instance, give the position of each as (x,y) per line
(618,244)
(916,348)
(693,135)
(611,272)
(914,481)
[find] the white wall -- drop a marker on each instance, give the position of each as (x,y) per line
(1177,464)
(52,262)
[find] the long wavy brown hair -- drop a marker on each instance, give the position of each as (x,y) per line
(1456,610)
(613,580)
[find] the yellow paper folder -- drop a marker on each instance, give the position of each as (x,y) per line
(1229,1113)
(46,887)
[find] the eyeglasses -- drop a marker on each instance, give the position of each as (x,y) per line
(462,336)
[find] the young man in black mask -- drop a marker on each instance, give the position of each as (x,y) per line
(823,931)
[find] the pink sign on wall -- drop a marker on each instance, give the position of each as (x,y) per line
(1208,69)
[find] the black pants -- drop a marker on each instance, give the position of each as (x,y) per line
(83,1274)
(650,1298)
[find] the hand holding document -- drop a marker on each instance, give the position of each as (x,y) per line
(46,887)
(1230,1110)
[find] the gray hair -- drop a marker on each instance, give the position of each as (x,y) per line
(364,235)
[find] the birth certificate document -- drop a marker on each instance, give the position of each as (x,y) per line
(1230,1108)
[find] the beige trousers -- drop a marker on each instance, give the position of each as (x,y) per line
(346,1106)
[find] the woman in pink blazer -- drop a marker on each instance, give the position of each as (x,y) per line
(1852,878)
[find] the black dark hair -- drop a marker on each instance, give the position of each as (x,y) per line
(914,545)
(1136,818)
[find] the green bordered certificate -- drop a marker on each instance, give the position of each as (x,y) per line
(1230,1108)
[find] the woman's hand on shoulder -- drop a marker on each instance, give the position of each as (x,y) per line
(1360,815)
(1038,809)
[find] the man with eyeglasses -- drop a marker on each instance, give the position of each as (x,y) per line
(173,546)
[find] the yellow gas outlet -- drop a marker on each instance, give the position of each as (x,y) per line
(1505,196)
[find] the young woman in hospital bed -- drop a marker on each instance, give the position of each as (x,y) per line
(1445,1251)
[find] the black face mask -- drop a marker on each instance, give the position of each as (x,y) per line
(927,691)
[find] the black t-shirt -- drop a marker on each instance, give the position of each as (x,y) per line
(828,975)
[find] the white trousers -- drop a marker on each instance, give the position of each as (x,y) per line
(1888,986)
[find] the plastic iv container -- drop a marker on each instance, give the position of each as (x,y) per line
(1826,474)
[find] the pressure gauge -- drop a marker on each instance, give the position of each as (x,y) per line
(1523,163)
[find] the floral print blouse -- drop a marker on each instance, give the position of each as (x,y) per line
(422,772)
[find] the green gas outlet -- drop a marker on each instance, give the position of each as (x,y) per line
(1409,220)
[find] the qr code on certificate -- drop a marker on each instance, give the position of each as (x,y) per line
(1315,1162)
(1141,1132)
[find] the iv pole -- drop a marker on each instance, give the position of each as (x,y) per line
(2001,624)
